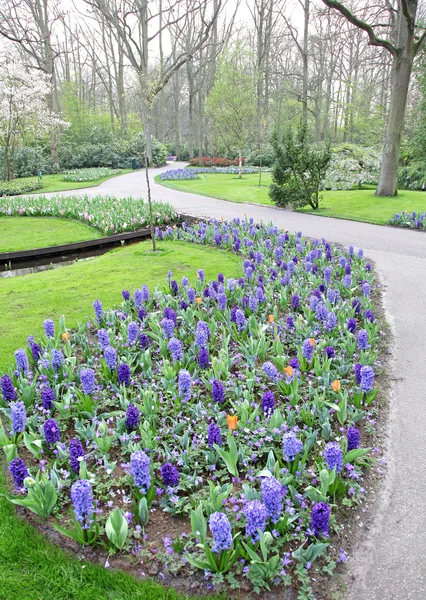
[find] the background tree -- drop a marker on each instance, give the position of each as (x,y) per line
(232,101)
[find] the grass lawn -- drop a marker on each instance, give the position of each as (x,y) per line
(30,567)
(54,183)
(356,205)
(21,233)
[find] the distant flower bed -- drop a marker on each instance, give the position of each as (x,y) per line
(20,186)
(234,414)
(192,173)
(107,213)
(413,220)
(80,175)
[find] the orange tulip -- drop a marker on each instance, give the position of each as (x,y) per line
(312,341)
(289,371)
(65,336)
(198,300)
(336,385)
(222,218)
(271,318)
(232,422)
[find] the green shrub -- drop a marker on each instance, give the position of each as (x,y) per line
(265,157)
(89,174)
(19,186)
(28,160)
(298,169)
(351,166)
(412,177)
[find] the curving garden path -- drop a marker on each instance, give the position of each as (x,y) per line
(391,562)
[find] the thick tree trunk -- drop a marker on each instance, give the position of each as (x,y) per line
(400,84)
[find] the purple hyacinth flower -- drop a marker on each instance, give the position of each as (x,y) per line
(175,348)
(103,338)
(132,417)
(185,382)
(363,340)
(353,436)
(76,452)
(168,327)
(144,341)
(138,298)
(366,378)
(19,472)
(240,319)
(132,333)
(52,435)
(218,391)
(87,378)
(110,356)
(126,295)
(268,403)
(256,514)
(123,374)
(7,389)
(308,350)
(21,360)
(169,313)
(220,528)
(295,301)
(47,398)
(333,456)
(191,295)
(214,435)
(49,328)
(140,469)
(82,500)
(291,446)
(57,359)
(170,475)
(351,325)
(18,417)
(36,351)
(203,358)
(271,371)
(320,519)
(272,497)
(97,306)
(369,315)
(329,350)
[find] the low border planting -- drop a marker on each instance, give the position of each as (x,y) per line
(413,220)
(106,213)
(20,186)
(240,409)
(93,174)
(194,173)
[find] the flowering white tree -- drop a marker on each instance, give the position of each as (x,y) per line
(23,109)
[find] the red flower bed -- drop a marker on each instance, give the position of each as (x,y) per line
(207,161)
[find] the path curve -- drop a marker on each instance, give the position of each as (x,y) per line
(391,563)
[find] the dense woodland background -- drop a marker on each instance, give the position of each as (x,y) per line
(128,73)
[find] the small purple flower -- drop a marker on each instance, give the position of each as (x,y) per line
(52,435)
(18,416)
(200,274)
(366,378)
(21,360)
(97,306)
(170,475)
(221,301)
(363,340)
(8,389)
(218,392)
(333,456)
(110,356)
(291,446)
(272,494)
(76,452)
(140,469)
(214,435)
(369,315)
(103,338)
(365,289)
(185,384)
(268,403)
(320,519)
(19,472)
(49,328)
(351,325)
(256,514)
(123,374)
(145,293)
(36,351)
(191,295)
(132,417)
(138,298)
(57,359)
(144,341)
(220,528)
(47,398)
(168,327)
(353,437)
(126,295)
(308,349)
(240,319)
(175,349)
(357,371)
(82,500)
(169,313)
(87,378)
(329,350)
(203,358)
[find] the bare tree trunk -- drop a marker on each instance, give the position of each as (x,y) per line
(305,63)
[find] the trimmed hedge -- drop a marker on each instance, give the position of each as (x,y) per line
(19,186)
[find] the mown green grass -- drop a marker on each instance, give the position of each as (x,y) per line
(22,233)
(356,205)
(54,183)
(27,300)
(30,567)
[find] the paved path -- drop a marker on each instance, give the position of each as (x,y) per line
(391,564)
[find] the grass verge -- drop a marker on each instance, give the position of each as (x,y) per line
(20,233)
(355,205)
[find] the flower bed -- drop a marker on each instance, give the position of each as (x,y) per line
(413,220)
(193,173)
(106,213)
(232,413)
(214,162)
(20,186)
(79,175)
